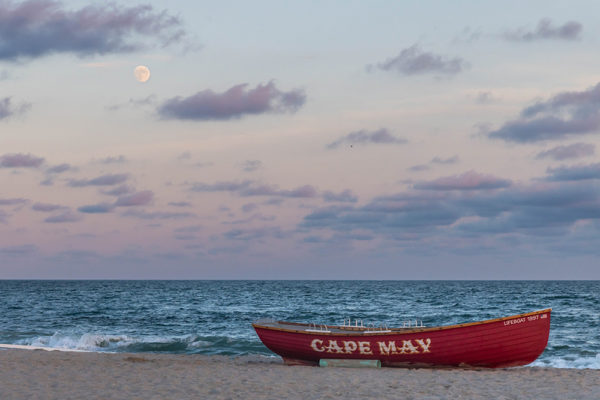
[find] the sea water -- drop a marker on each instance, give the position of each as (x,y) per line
(214,317)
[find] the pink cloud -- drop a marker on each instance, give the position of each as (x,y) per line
(469,180)
(20,160)
(136,199)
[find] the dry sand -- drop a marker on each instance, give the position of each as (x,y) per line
(38,374)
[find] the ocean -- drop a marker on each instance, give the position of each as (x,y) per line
(214,317)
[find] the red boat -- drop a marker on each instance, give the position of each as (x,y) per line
(496,343)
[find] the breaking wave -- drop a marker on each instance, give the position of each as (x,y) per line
(191,344)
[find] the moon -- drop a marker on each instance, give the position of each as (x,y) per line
(141,73)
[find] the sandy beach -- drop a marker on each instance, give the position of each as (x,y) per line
(38,374)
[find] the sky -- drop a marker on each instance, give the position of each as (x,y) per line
(300,140)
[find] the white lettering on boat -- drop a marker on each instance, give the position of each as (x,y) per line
(364,348)
(317,344)
(349,346)
(333,347)
(514,321)
(414,346)
(424,343)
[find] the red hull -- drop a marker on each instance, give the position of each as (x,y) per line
(503,342)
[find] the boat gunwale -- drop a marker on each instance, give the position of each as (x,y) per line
(360,331)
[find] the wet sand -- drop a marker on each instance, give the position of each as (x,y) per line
(38,374)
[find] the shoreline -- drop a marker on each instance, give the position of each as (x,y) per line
(64,374)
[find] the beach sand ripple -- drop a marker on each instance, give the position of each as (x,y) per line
(38,374)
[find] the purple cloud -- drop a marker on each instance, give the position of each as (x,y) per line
(306,191)
(251,165)
(255,234)
(469,180)
(67,216)
(101,208)
(20,160)
(13,202)
(563,115)
(223,186)
(445,161)
(136,199)
(546,30)
(104,180)
(180,204)
(22,250)
(419,168)
(119,190)
(189,229)
(380,136)
(249,207)
(158,215)
(36,28)
(484,97)
(7,109)
(574,173)
(113,160)
(58,169)
(575,150)
(46,207)
(236,102)
(413,61)
(346,196)
(410,218)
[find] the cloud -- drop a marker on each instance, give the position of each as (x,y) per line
(189,229)
(119,190)
(13,202)
(469,180)
(20,160)
(22,250)
(224,186)
(180,204)
(251,165)
(563,115)
(418,168)
(144,101)
(46,207)
(59,169)
(136,199)
(485,97)
(129,200)
(158,215)
(306,191)
(575,150)
(256,234)
(445,161)
(428,219)
(236,102)
(546,30)
(7,109)
(67,216)
(103,180)
(346,196)
(249,207)
(36,28)
(380,136)
(101,208)
(574,173)
(120,159)
(414,61)
(250,188)
(186,155)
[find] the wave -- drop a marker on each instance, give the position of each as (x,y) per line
(190,344)
(590,362)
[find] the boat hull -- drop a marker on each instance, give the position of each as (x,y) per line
(503,342)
